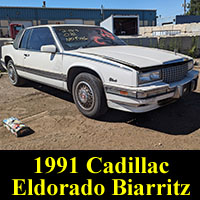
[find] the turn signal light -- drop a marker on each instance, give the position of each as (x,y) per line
(124,93)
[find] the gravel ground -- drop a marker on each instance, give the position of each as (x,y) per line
(57,123)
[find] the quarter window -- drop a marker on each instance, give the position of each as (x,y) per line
(40,37)
(17,39)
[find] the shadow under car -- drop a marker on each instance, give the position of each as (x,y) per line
(179,118)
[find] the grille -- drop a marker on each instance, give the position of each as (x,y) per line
(174,73)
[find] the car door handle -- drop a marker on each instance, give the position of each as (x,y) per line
(27,55)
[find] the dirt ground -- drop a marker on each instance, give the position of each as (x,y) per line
(57,123)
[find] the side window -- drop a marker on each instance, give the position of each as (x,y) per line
(25,39)
(40,37)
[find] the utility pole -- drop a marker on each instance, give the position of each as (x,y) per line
(102,12)
(185,7)
(44,4)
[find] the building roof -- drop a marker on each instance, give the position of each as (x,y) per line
(111,9)
(39,13)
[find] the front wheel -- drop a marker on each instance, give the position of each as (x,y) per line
(89,95)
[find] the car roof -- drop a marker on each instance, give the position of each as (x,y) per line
(61,25)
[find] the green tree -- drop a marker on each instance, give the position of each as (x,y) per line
(194,7)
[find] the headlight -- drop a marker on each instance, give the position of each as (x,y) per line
(149,77)
(190,65)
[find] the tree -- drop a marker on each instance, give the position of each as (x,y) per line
(194,7)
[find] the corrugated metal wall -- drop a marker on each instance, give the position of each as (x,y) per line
(182,19)
(143,14)
(19,13)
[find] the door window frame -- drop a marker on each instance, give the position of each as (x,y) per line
(29,38)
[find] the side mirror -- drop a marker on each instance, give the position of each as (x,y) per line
(48,48)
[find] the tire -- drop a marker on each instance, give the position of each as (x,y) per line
(89,96)
(14,78)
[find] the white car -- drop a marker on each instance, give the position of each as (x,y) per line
(98,68)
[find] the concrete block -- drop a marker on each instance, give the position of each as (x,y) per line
(156,28)
(179,27)
(189,45)
(193,27)
(147,30)
(141,30)
(167,27)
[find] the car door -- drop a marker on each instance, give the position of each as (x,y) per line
(19,50)
(43,67)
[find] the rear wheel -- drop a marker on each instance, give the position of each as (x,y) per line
(89,95)
(14,78)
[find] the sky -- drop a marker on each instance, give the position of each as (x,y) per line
(165,8)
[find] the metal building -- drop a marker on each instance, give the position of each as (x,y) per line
(183,19)
(29,16)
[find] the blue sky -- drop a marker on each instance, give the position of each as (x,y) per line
(164,7)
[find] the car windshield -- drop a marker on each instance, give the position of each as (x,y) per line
(74,37)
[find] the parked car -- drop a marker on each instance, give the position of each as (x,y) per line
(98,68)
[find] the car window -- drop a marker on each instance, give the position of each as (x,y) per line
(40,37)
(24,40)
(17,39)
(74,37)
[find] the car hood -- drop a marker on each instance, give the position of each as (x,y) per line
(140,57)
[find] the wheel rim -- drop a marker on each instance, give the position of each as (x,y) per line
(84,95)
(12,73)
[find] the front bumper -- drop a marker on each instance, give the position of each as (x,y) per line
(147,98)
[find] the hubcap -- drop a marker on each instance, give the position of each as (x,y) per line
(12,73)
(85,95)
